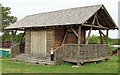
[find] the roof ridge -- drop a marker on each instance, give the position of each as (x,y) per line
(77,15)
(65,9)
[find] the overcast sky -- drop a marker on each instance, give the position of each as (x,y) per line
(22,8)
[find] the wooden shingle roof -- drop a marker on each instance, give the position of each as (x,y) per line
(71,16)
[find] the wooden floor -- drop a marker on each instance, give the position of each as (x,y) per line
(30,59)
(82,61)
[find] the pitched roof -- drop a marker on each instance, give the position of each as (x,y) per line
(77,15)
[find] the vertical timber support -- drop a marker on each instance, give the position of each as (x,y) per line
(13,34)
(88,36)
(91,29)
(62,46)
(79,41)
(13,51)
(22,37)
(107,36)
(101,39)
(64,37)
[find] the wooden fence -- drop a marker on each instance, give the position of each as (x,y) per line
(86,53)
(17,49)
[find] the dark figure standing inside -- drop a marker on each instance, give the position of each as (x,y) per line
(52,55)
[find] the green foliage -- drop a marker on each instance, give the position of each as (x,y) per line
(116,41)
(7,19)
(17,38)
(8,37)
(96,40)
(111,49)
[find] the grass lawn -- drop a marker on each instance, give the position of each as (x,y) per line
(110,66)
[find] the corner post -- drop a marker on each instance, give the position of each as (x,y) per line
(13,35)
(107,36)
(79,41)
(101,39)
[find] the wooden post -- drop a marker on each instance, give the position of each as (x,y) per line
(79,41)
(64,38)
(101,40)
(107,36)
(88,36)
(63,43)
(13,34)
(91,28)
(102,33)
(99,24)
(12,44)
(22,37)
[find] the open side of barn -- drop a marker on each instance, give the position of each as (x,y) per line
(65,32)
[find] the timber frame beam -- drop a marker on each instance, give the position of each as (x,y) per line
(14,32)
(102,33)
(74,32)
(95,26)
(87,39)
(100,25)
(106,36)
(101,39)
(64,37)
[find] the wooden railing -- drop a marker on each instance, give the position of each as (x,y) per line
(58,53)
(86,53)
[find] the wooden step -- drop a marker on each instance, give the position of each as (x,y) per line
(34,60)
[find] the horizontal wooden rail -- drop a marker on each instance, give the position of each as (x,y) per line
(90,52)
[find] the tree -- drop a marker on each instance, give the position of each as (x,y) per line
(96,39)
(7,19)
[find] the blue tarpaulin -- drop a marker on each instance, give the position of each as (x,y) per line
(3,53)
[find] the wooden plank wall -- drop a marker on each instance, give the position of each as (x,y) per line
(49,41)
(71,38)
(83,36)
(59,34)
(38,43)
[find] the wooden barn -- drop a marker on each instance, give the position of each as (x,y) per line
(65,32)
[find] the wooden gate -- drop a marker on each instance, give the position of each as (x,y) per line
(38,43)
